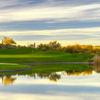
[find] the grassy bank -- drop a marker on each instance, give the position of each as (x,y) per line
(42,69)
(60,67)
(47,71)
(25,55)
(12,67)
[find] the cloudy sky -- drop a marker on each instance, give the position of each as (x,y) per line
(67,21)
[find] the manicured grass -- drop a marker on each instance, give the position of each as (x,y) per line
(24,55)
(60,67)
(12,67)
(49,72)
(38,69)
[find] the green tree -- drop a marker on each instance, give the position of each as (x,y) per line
(54,45)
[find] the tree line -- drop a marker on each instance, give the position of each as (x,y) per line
(53,45)
(7,42)
(76,48)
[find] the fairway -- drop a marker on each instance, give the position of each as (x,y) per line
(12,67)
(24,55)
(60,67)
(40,69)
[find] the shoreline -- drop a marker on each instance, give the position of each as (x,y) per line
(48,63)
(16,70)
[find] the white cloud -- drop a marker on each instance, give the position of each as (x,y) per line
(14,3)
(18,36)
(62,42)
(79,31)
(56,14)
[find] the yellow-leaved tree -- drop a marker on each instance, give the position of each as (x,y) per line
(8,41)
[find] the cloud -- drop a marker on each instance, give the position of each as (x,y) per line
(69,36)
(93,31)
(52,37)
(5,4)
(22,3)
(88,12)
(50,14)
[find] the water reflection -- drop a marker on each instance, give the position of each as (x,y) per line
(77,73)
(97,68)
(51,76)
(7,79)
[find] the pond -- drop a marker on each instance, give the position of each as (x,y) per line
(47,82)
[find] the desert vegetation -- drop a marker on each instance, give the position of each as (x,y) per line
(9,43)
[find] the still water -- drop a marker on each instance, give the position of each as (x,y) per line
(60,85)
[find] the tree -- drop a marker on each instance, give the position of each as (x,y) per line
(43,47)
(32,45)
(8,41)
(54,45)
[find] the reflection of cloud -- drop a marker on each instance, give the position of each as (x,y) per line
(49,92)
(33,97)
(48,97)
(64,81)
(52,90)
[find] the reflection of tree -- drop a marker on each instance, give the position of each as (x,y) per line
(96,67)
(87,73)
(33,75)
(54,77)
(77,73)
(96,60)
(50,76)
(69,73)
(8,80)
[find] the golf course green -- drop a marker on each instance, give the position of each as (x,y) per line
(29,55)
(12,67)
(40,69)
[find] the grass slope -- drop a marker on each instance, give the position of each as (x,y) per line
(12,67)
(39,69)
(24,55)
(60,67)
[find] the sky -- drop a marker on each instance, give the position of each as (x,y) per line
(41,21)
